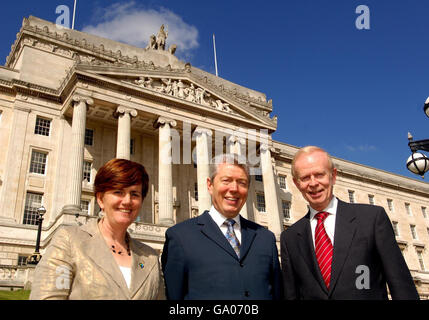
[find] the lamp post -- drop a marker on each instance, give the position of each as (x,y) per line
(418,163)
(36,256)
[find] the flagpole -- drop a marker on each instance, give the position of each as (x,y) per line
(74,14)
(214,47)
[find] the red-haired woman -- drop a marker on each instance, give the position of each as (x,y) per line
(100,260)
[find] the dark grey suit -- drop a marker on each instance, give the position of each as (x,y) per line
(363,237)
(199,263)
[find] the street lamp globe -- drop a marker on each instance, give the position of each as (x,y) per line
(418,163)
(426,107)
(41,211)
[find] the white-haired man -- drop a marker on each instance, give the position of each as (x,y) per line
(339,250)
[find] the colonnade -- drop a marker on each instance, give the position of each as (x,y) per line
(203,138)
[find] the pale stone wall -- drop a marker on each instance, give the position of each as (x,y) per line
(45,69)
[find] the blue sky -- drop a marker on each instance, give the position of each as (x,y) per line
(355,93)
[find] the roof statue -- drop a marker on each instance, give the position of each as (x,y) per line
(158,42)
(160,39)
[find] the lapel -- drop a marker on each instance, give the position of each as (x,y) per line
(345,228)
(307,250)
(141,266)
(247,236)
(212,231)
(98,251)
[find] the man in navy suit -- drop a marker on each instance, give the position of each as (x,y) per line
(219,254)
(339,250)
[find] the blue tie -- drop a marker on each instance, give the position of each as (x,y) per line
(232,238)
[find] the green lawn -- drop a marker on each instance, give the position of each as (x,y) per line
(14,295)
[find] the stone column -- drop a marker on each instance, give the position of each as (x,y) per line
(13,164)
(80,107)
(236,145)
(270,191)
(124,115)
(202,137)
(165,171)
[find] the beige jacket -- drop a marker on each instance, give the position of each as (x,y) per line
(78,265)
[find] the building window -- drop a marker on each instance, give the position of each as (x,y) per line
(38,162)
(84,204)
(427,230)
(260,202)
(132,146)
(286,209)
(282,182)
(408,209)
(87,171)
(22,260)
(395,228)
(89,137)
(1,112)
(351,196)
(371,199)
(425,215)
(413,231)
(422,263)
(33,201)
(390,204)
(43,126)
(196,191)
(258,177)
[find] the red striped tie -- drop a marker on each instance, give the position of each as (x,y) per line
(324,248)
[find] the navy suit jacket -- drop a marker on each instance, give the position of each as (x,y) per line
(363,240)
(200,264)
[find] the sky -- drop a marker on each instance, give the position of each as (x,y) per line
(354,91)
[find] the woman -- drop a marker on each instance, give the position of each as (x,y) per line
(100,260)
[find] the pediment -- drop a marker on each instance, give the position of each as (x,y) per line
(181,86)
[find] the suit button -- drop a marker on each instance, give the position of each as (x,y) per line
(246,294)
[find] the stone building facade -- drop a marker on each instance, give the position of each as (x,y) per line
(71,101)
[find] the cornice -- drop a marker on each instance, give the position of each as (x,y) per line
(29,89)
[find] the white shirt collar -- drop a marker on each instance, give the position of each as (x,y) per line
(331,208)
(220,218)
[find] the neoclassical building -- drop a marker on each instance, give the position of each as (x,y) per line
(71,101)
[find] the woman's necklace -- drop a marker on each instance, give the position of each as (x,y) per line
(127,241)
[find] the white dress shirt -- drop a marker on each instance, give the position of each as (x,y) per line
(219,219)
(329,221)
(126,272)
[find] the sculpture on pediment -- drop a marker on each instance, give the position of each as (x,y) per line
(175,88)
(199,96)
(168,89)
(184,90)
(219,105)
(190,93)
(181,90)
(142,82)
